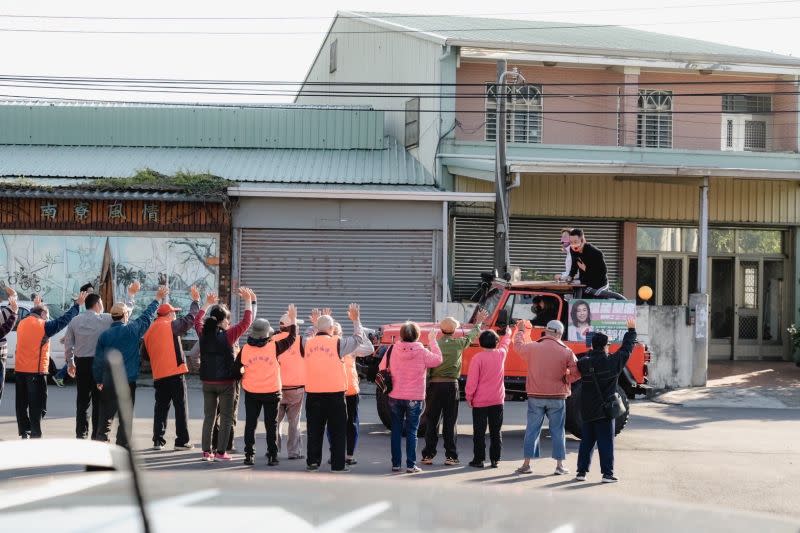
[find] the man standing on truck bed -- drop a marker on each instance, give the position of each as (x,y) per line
(442,396)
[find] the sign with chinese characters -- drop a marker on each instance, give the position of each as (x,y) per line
(81,211)
(604,316)
(49,210)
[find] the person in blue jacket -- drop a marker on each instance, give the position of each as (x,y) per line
(124,336)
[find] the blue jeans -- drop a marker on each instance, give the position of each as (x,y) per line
(405,417)
(600,432)
(555,410)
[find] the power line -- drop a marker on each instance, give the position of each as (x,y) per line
(373,32)
(401,15)
(379,83)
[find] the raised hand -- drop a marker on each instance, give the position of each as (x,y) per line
(12,304)
(315,314)
(291,312)
(431,336)
(194,293)
(11,292)
(327,311)
(162,292)
(354,312)
(631,323)
(81,298)
(134,287)
(252,294)
(482,315)
(211,298)
(246,294)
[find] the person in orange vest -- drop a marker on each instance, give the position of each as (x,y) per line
(162,345)
(293,382)
(8,317)
(258,363)
(356,345)
(33,359)
(326,383)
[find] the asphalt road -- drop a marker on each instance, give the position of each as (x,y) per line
(740,459)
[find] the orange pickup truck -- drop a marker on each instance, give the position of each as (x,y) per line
(507,302)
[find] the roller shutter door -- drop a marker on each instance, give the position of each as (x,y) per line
(390,273)
(534,246)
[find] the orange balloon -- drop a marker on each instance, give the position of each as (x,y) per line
(645,292)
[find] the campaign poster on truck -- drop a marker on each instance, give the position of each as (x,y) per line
(604,316)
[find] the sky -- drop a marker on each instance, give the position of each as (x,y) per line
(290,33)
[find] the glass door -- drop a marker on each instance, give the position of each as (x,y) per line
(759,309)
(722,308)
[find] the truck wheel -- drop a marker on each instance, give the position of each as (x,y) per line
(382,403)
(574,419)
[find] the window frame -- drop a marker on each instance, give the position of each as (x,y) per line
(648,111)
(523,100)
(413,142)
(333,60)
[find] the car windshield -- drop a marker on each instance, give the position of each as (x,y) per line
(489,302)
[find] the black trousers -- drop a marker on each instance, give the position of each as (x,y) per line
(352,424)
(253,404)
(2,376)
(31,403)
(237,389)
(171,391)
(326,409)
(87,395)
(108,410)
(441,400)
(494,416)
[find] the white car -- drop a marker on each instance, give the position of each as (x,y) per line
(56,342)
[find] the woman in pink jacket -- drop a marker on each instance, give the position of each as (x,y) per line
(408,362)
(486,392)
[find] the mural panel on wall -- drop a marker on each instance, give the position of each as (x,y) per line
(56,266)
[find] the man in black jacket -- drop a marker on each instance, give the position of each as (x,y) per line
(599,374)
(592,265)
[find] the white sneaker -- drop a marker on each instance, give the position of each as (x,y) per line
(560,471)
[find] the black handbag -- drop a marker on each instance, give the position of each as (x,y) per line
(613,406)
(383,379)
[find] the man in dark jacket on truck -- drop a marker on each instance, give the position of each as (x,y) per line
(600,372)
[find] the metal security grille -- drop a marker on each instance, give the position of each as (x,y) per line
(535,245)
(654,121)
(523,113)
(672,282)
(746,103)
(390,273)
(755,135)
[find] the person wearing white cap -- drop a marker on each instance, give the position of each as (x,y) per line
(552,368)
(293,382)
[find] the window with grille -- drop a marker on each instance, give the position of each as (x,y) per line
(755,135)
(750,286)
(729,134)
(523,113)
(654,121)
(746,103)
(412,123)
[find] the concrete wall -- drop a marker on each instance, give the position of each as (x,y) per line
(592,120)
(663,329)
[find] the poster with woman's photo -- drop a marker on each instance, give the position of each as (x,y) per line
(605,316)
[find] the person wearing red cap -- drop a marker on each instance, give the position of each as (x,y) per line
(162,345)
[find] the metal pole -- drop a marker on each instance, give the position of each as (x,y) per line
(501,192)
(702,232)
(445,254)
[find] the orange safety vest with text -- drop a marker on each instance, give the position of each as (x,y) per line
(33,347)
(325,371)
(162,347)
(293,366)
(262,374)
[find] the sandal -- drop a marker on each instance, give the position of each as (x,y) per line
(523,470)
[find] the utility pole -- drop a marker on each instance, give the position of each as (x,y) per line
(501,254)
(502,258)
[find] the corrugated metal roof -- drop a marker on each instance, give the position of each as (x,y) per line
(392,165)
(548,35)
(198,126)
